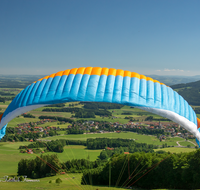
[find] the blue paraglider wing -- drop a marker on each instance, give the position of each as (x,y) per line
(103,85)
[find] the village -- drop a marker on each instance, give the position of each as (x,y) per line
(161,129)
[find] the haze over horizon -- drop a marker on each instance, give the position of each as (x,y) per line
(148,37)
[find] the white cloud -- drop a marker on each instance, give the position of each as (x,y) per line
(173,70)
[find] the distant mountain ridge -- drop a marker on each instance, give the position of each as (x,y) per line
(189,91)
(172,80)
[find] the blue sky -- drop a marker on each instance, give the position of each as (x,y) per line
(145,36)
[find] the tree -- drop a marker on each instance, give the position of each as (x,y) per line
(21,178)
(150,118)
(58,180)
(103,155)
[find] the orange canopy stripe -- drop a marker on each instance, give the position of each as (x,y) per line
(198,122)
(100,71)
(1,116)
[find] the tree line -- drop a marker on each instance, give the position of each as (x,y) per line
(43,166)
(4,99)
(148,170)
(49,165)
(101,105)
(144,130)
(6,93)
(79,165)
(28,115)
(150,118)
(108,153)
(102,143)
(54,145)
(56,105)
(80,112)
(49,109)
(56,118)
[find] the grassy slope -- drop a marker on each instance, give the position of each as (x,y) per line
(69,181)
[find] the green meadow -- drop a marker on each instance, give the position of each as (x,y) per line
(176,149)
(76,152)
(69,182)
(10,155)
(185,143)
(125,135)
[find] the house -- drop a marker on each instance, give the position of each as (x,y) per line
(29,151)
(110,148)
(126,152)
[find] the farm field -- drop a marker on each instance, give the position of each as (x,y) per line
(58,114)
(76,152)
(185,143)
(69,181)
(10,155)
(21,119)
(126,135)
(5,104)
(175,149)
(55,124)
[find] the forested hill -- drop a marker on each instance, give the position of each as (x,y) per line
(172,80)
(189,91)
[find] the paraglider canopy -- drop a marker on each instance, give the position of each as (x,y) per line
(96,84)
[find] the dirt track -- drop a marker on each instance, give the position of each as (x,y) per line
(3,106)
